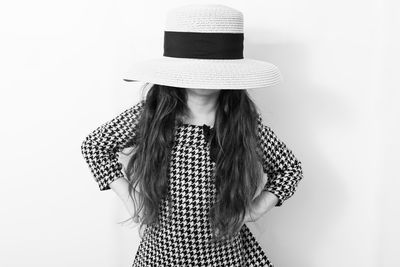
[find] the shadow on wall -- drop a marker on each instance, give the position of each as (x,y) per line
(300,108)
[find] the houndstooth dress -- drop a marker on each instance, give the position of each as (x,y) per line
(182,240)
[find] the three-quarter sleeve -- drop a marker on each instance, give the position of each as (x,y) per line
(283,169)
(101,146)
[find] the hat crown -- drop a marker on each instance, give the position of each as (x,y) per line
(204,18)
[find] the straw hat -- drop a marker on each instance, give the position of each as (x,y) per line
(203,48)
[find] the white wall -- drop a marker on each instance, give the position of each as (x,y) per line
(62,65)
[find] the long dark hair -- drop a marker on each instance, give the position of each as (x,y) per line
(237,170)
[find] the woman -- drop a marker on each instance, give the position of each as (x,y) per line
(200,147)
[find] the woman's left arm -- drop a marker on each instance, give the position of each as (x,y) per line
(261,205)
(282,167)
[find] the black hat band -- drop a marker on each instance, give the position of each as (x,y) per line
(205,45)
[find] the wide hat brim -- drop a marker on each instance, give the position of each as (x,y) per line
(245,73)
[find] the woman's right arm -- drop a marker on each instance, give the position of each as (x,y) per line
(120,187)
(100,148)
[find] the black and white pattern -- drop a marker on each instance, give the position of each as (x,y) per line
(183,239)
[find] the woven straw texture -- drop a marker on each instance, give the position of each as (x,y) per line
(243,73)
(204,18)
(207,74)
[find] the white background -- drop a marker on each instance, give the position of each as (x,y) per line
(61,69)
